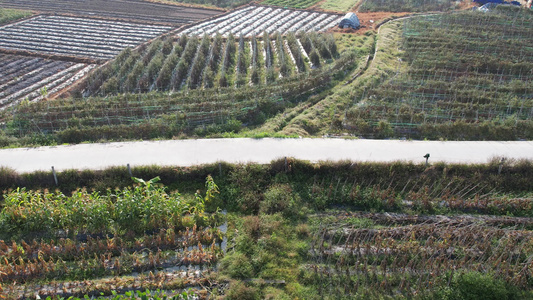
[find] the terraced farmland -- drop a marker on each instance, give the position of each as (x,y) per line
(164,114)
(158,239)
(206,62)
(130,10)
(75,37)
(399,254)
(34,78)
(254,20)
(466,75)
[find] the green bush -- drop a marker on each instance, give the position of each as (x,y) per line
(237,266)
(280,198)
(240,291)
(474,285)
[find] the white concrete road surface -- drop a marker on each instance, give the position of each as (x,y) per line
(194,152)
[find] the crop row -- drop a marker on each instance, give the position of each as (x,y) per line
(392,219)
(33,79)
(462,68)
(124,286)
(105,264)
(408,259)
(192,63)
(254,20)
(135,10)
(89,245)
(406,5)
(136,231)
(136,209)
(453,196)
(291,3)
(73,36)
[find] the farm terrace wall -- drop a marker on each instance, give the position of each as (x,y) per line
(74,36)
(254,20)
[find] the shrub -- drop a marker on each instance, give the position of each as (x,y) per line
(280,198)
(240,291)
(475,285)
(315,59)
(237,265)
(255,76)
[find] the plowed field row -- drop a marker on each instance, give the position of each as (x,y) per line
(35,78)
(134,10)
(80,37)
(254,20)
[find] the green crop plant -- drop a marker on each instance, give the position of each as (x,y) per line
(145,206)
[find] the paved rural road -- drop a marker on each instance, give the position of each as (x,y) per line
(193,152)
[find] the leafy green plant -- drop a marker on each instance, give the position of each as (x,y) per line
(146,206)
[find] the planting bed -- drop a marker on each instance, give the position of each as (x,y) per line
(254,20)
(131,10)
(211,62)
(291,3)
(406,255)
(169,114)
(34,78)
(142,236)
(73,36)
(406,5)
(9,15)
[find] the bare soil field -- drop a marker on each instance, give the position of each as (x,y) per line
(132,10)
(35,78)
(74,36)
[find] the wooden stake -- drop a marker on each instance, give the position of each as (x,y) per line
(55,176)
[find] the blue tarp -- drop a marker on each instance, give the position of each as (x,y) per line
(483,2)
(350,20)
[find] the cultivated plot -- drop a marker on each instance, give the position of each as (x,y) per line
(77,37)
(147,243)
(406,5)
(211,62)
(465,75)
(134,10)
(400,254)
(35,78)
(254,20)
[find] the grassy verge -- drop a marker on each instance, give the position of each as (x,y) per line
(320,185)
